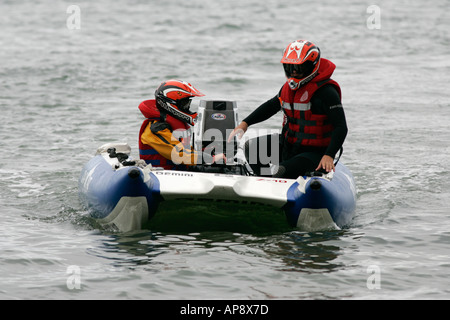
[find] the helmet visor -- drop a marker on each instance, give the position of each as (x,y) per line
(298,70)
(184,104)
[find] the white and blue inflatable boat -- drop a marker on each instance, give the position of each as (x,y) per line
(128,195)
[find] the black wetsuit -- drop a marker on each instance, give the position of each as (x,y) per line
(300,161)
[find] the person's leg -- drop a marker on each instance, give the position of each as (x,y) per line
(298,165)
(261,151)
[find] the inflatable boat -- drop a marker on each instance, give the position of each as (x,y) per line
(126,194)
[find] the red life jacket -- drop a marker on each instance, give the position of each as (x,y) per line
(146,152)
(300,125)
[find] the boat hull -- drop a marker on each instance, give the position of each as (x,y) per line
(128,197)
(316,203)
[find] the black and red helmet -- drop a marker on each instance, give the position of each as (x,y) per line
(174,98)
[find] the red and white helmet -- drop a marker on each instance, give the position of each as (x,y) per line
(301,61)
(174,98)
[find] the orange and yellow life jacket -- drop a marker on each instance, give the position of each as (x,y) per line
(146,151)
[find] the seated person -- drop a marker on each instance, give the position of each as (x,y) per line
(314,125)
(165,133)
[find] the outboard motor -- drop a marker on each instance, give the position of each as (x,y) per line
(216,119)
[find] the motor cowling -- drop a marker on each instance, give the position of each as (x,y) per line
(216,120)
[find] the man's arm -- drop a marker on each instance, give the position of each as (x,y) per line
(331,105)
(328,100)
(264,111)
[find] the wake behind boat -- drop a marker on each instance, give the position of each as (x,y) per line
(128,195)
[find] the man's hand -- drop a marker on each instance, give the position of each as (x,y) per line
(220,158)
(326,163)
(239,131)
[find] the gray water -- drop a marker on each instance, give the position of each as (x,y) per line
(69,85)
